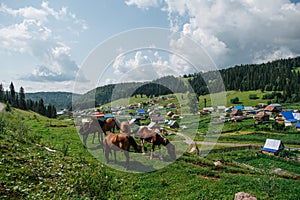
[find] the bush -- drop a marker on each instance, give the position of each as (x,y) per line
(235,100)
(253,96)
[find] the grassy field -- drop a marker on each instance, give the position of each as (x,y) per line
(44,159)
(243,98)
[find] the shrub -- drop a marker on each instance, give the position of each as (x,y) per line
(253,96)
(235,100)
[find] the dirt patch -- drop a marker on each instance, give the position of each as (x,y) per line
(209,177)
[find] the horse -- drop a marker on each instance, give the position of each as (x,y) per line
(156,138)
(90,127)
(96,126)
(119,142)
(110,124)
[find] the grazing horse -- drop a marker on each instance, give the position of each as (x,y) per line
(90,127)
(156,138)
(119,142)
(95,126)
(110,124)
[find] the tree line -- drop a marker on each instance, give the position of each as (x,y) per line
(18,100)
(281,77)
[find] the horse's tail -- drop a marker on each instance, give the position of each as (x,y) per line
(133,143)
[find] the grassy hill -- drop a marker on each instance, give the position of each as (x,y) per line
(44,158)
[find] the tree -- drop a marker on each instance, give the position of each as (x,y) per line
(41,107)
(22,102)
(12,94)
(1,93)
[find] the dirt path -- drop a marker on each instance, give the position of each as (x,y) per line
(189,140)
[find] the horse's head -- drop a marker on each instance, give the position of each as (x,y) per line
(125,127)
(83,128)
(171,151)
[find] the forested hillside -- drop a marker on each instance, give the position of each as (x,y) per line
(59,99)
(281,75)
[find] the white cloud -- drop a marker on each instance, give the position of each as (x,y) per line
(235,32)
(34,34)
(144,4)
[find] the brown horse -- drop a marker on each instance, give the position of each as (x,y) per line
(109,124)
(99,127)
(156,138)
(119,142)
(88,128)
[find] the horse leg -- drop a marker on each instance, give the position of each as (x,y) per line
(152,151)
(100,137)
(93,138)
(143,148)
(159,153)
(84,138)
(106,153)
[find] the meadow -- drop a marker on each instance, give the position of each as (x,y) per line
(44,158)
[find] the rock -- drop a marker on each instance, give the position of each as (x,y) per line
(218,163)
(244,196)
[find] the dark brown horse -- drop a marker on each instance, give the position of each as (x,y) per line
(156,138)
(99,127)
(119,142)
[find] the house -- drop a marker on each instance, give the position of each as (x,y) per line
(262,116)
(241,107)
(157,119)
(208,109)
(141,112)
(286,116)
(272,146)
(277,106)
(236,113)
(298,126)
(296,115)
(170,114)
(221,109)
(135,120)
(173,124)
(171,105)
(250,110)
(271,109)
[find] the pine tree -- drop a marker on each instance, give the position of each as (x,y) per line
(12,95)
(1,93)
(22,102)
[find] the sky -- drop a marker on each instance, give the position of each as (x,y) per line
(76,46)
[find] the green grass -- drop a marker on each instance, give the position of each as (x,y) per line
(29,171)
(243,98)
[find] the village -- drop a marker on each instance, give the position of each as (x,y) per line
(165,112)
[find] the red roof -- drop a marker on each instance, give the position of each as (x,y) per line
(98,114)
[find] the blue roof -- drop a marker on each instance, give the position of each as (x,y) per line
(288,115)
(298,125)
(269,150)
(108,116)
(141,112)
(239,107)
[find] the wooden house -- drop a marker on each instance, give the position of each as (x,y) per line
(261,117)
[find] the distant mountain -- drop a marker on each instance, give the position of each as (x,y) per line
(281,75)
(59,99)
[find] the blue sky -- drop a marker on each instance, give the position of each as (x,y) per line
(45,45)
